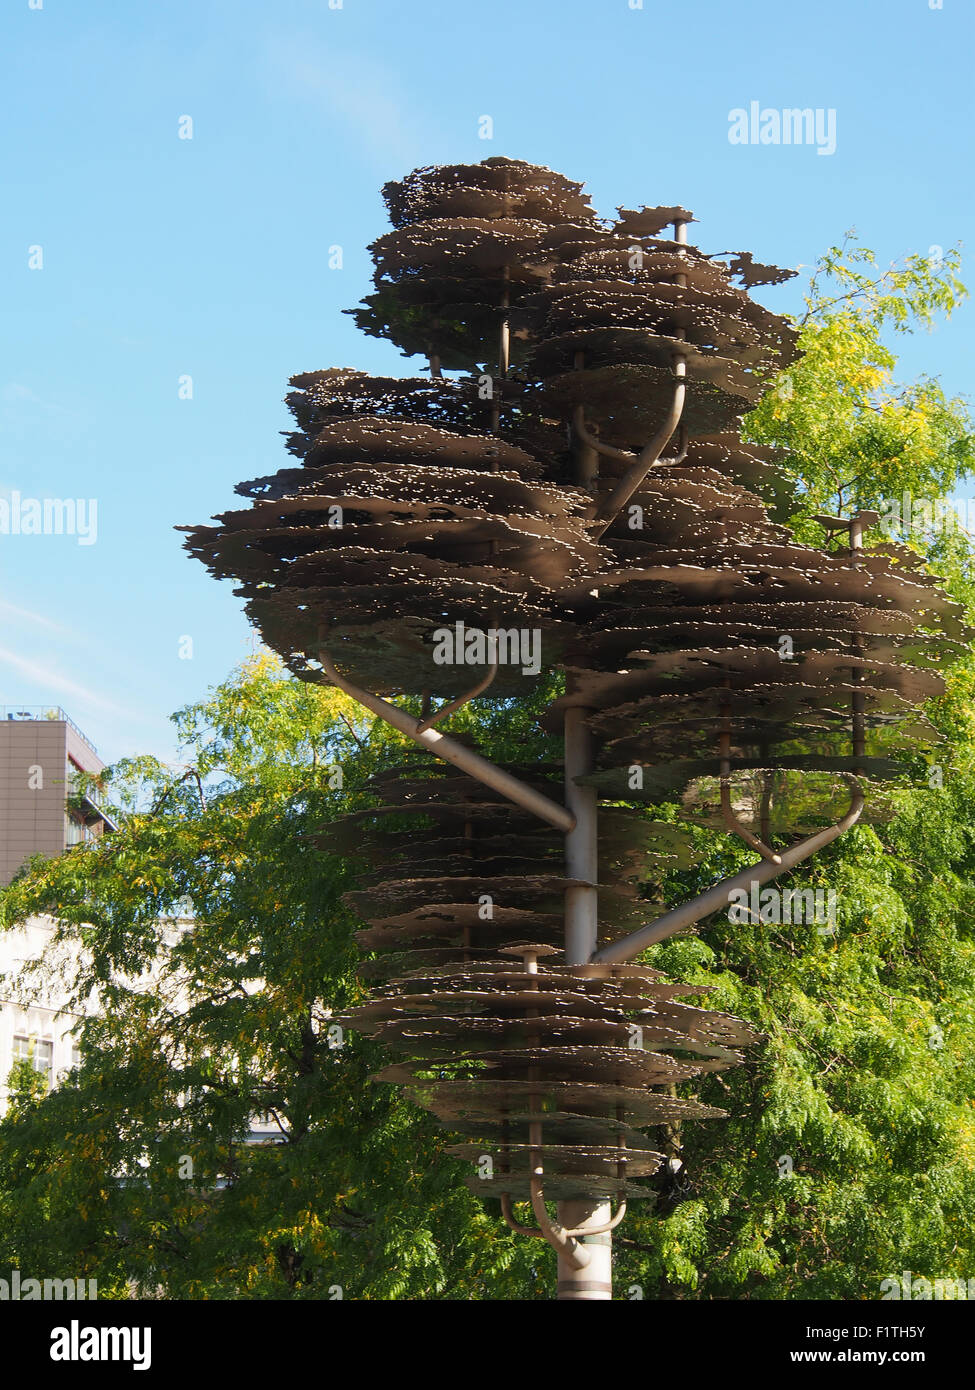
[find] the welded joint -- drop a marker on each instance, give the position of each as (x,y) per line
(451,751)
(609,1225)
(733,824)
(562,1242)
(717,896)
(459,702)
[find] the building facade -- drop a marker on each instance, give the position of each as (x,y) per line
(43,810)
(34,1023)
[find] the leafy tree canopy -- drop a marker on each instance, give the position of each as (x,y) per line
(215,939)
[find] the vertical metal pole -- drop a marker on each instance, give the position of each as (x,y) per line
(585,457)
(581,940)
(504,357)
(581,911)
(858,701)
(595,1282)
(680,366)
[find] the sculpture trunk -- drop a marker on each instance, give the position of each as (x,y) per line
(594,1281)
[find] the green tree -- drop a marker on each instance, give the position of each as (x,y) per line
(849,1153)
(212,929)
(25,1086)
(856,435)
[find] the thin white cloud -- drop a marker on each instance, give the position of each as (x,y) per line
(37,619)
(358,91)
(46,675)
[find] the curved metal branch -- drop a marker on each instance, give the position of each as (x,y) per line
(507,1213)
(624,455)
(593,440)
(735,826)
(558,1238)
(509,1219)
(611,506)
(718,895)
(681,455)
(562,1241)
(460,701)
(453,752)
(601,1230)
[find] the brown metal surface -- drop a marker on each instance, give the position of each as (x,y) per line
(421,502)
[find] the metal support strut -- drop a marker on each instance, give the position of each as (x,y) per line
(447,748)
(718,896)
(610,508)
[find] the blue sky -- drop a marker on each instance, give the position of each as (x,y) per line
(165,257)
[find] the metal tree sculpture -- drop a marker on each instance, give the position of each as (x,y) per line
(435,528)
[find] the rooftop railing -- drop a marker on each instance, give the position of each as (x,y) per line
(54,713)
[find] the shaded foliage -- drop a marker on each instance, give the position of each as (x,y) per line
(214,935)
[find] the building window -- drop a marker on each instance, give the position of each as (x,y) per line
(74,831)
(38,1051)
